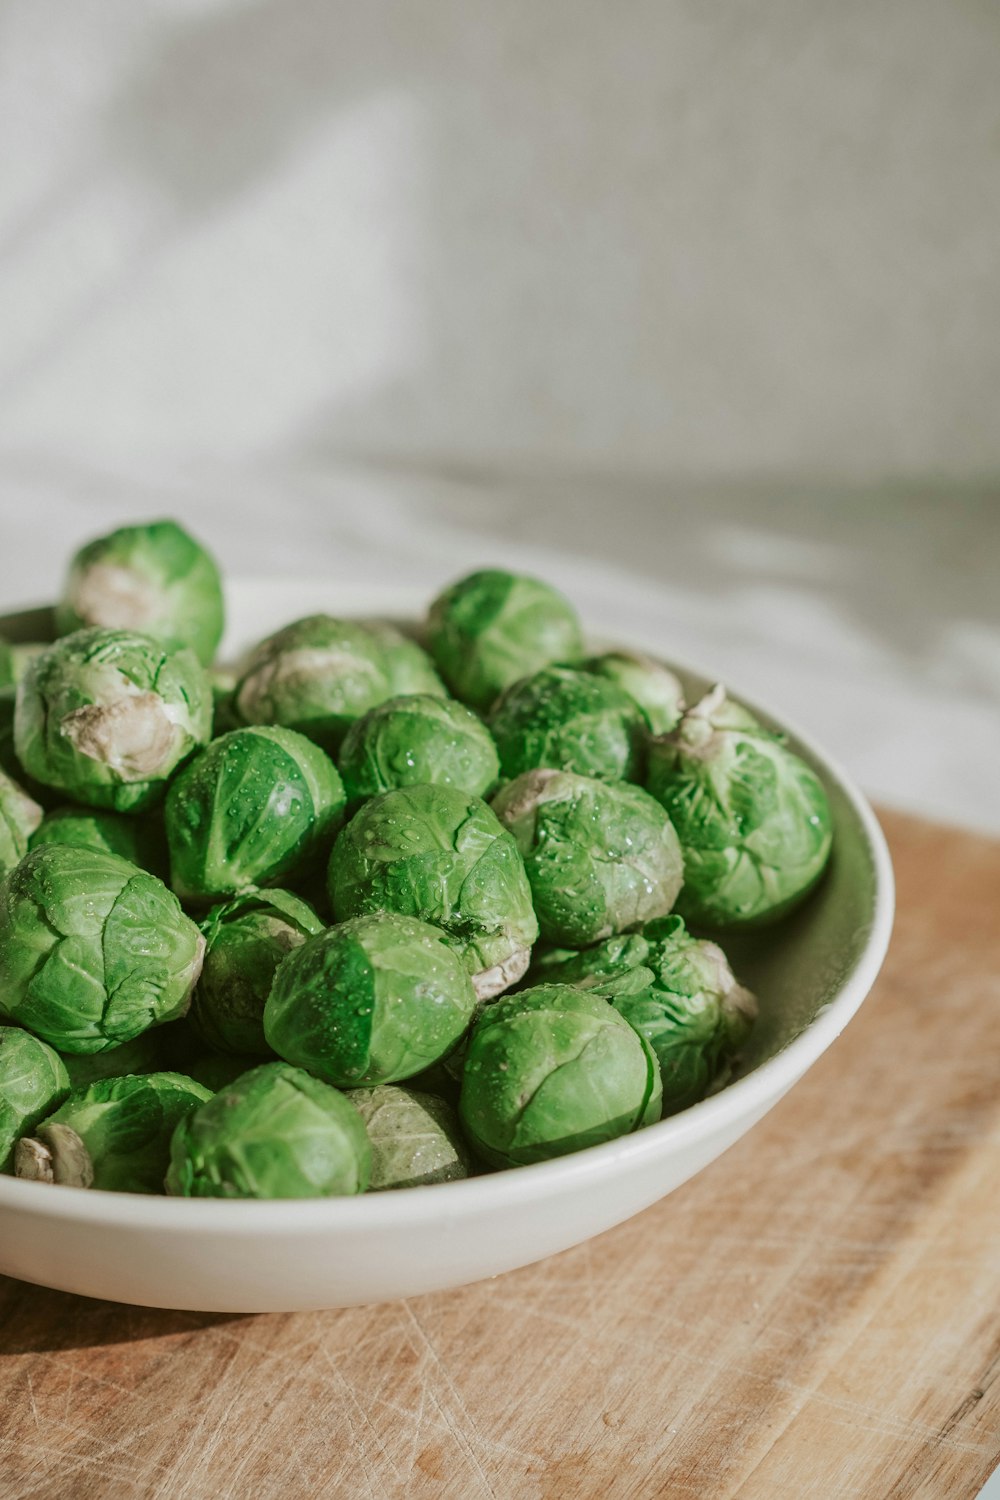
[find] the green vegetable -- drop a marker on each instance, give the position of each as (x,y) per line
(15,658)
(753,819)
(369,1001)
(108,715)
(112,1134)
(140,840)
(153,578)
(567,720)
(19,817)
(93,951)
(418,739)
(600,856)
(150,1052)
(552,1070)
(492,627)
(612,967)
(406,665)
(33,1082)
(415,1138)
(694,1015)
(650,684)
(273,1133)
(257,806)
(438,854)
(247,939)
(317,676)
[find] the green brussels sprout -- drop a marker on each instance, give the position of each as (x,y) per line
(407,665)
(492,627)
(440,855)
(93,951)
(317,676)
(568,720)
(108,716)
(153,578)
(370,1001)
(415,1138)
(551,1070)
(616,966)
(275,1132)
(113,1134)
(753,819)
(601,856)
(7,677)
(33,1082)
(418,739)
(19,817)
(694,1015)
(650,684)
(246,940)
(258,805)
(140,840)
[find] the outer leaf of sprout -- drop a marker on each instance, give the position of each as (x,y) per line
(601,857)
(440,855)
(548,1072)
(418,739)
(107,716)
(153,578)
(415,1138)
(247,938)
(93,951)
(371,1000)
(753,818)
(276,1132)
(257,807)
(492,627)
(569,720)
(33,1082)
(113,1134)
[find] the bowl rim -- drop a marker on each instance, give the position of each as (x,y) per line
(448,1202)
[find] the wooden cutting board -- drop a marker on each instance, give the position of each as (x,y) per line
(816,1314)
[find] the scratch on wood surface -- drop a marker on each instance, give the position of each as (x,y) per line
(463,1442)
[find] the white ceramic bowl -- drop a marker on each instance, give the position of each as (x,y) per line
(811,974)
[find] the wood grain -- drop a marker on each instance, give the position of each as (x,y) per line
(817,1314)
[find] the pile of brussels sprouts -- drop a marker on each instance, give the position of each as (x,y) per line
(367,911)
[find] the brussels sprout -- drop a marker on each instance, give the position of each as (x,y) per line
(440,855)
(273,1133)
(247,938)
(138,839)
(33,1082)
(491,628)
(154,578)
(650,684)
(601,856)
(370,1001)
(407,665)
(19,817)
(317,676)
(418,739)
(753,819)
(256,806)
(567,720)
(615,966)
(551,1070)
(694,1015)
(93,951)
(7,677)
(112,1134)
(415,1138)
(108,715)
